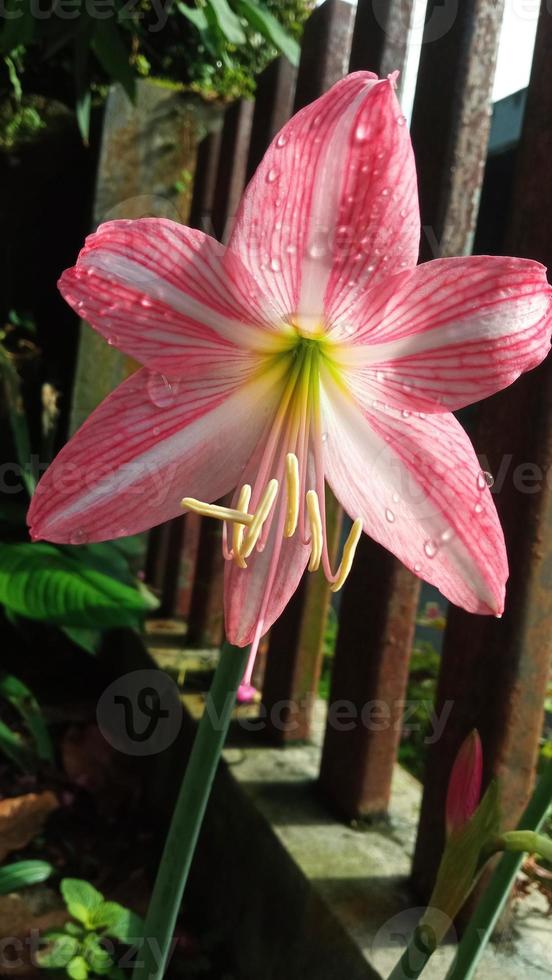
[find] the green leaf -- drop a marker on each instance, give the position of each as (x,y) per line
(81,898)
(86,639)
(77,969)
(128,927)
(83,95)
(226,21)
(194,15)
(39,581)
(60,950)
(261,20)
(20,874)
(19,695)
(113,55)
(98,959)
(13,746)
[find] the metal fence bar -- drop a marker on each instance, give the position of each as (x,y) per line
(274,97)
(295,645)
(231,171)
(380,598)
(205,178)
(495,672)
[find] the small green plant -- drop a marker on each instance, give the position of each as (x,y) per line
(86,946)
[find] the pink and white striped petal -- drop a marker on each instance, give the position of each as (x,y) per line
(333,205)
(153,441)
(450,333)
(168,295)
(418,487)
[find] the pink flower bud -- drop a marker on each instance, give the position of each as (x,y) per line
(464,788)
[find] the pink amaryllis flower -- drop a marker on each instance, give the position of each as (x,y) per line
(310,350)
(464,788)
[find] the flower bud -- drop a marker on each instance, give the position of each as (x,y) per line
(464,788)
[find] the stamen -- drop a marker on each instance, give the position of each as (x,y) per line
(238,529)
(213,510)
(258,519)
(317,538)
(292,490)
(348,555)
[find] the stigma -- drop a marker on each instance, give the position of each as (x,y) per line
(247,528)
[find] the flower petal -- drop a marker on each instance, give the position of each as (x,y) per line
(417,485)
(450,333)
(333,205)
(168,295)
(150,443)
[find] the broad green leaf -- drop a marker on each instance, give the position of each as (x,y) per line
(19,695)
(98,959)
(261,20)
(59,952)
(20,874)
(128,928)
(227,21)
(77,968)
(81,899)
(39,581)
(112,53)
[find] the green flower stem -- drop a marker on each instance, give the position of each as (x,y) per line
(489,910)
(420,948)
(188,815)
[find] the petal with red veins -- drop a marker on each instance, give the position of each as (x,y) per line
(168,295)
(450,333)
(150,443)
(416,483)
(333,205)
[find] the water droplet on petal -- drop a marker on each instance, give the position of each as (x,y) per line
(317,249)
(271,176)
(112,340)
(405,413)
(324,437)
(161,390)
(401,120)
(430,548)
(281,141)
(291,249)
(446,535)
(362,132)
(478,508)
(417,567)
(79,536)
(146,301)
(275,265)
(484,480)
(389,515)
(385,192)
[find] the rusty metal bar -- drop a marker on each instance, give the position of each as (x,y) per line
(451,119)
(295,645)
(381,35)
(495,672)
(205,177)
(231,172)
(380,598)
(273,106)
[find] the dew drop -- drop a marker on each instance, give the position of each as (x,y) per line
(324,437)
(401,120)
(430,548)
(112,340)
(291,249)
(271,176)
(396,498)
(478,508)
(146,301)
(281,141)
(161,391)
(317,249)
(79,536)
(417,567)
(362,132)
(389,515)
(275,265)
(403,212)
(484,480)
(405,413)
(446,535)
(385,192)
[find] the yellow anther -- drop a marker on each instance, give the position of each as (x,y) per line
(317,537)
(213,510)
(348,555)
(292,490)
(258,519)
(238,529)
